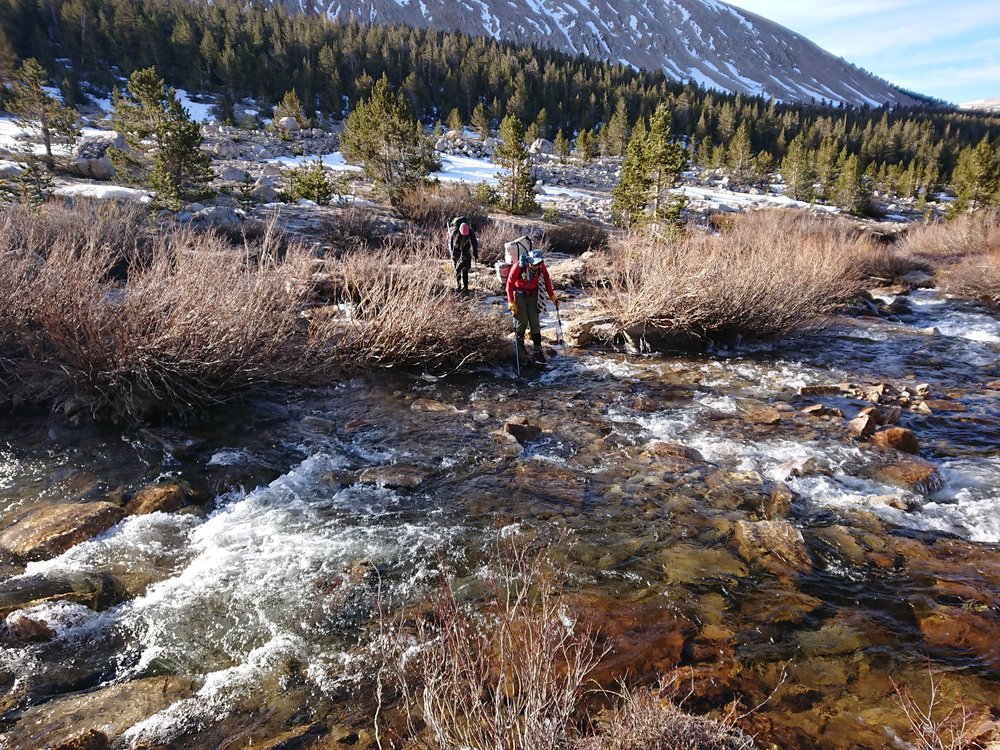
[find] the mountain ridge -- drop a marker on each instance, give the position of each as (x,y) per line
(716,45)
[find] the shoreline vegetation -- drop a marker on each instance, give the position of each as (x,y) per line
(137,321)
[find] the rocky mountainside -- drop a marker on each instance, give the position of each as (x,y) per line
(714,44)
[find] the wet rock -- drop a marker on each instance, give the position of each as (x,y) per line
(686,564)
(913,474)
(994,386)
(800,467)
(760,413)
(776,605)
(47,531)
(863,426)
(939,405)
(873,412)
(712,642)
(20,630)
(840,542)
(833,639)
(819,410)
(108,711)
(923,390)
(899,502)
(430,405)
(522,430)
(395,476)
(320,424)
(154,498)
(897,438)
(27,591)
(820,390)
(174,442)
(776,546)
(891,415)
(917,279)
(674,457)
(91,739)
(778,503)
(956,629)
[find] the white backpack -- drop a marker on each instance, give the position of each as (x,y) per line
(512,252)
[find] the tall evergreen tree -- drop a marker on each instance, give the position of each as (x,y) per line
(665,162)
(480,121)
(797,170)
(454,121)
(739,156)
(291,106)
(517,184)
(35,109)
(852,191)
(615,135)
(585,147)
(164,145)
(977,177)
(631,195)
(560,146)
(385,138)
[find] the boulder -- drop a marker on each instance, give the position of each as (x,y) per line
(522,431)
(264,194)
(289,125)
(91,158)
(917,279)
(442,144)
(46,531)
(226,149)
(270,170)
(541,146)
(25,591)
(233,174)
(776,546)
(396,476)
(9,169)
(913,474)
(165,498)
(897,438)
(219,215)
(317,132)
(757,412)
(819,410)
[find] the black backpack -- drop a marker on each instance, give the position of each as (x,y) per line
(455,223)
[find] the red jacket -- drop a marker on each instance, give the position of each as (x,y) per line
(517,280)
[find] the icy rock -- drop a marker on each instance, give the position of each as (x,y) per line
(898,438)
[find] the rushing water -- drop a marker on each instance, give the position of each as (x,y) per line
(253,603)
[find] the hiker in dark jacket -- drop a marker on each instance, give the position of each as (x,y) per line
(463,246)
(522,298)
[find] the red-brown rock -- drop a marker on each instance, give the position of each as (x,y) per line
(897,438)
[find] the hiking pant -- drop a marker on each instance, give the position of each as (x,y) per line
(527,315)
(462,265)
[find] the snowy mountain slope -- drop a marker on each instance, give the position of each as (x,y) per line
(705,40)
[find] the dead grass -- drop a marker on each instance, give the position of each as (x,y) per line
(494,235)
(576,237)
(652,719)
(354,228)
(774,273)
(946,243)
(433,205)
(976,278)
(504,675)
(883,265)
(397,308)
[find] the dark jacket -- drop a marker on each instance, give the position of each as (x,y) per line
(461,248)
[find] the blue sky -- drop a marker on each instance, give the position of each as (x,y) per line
(949,50)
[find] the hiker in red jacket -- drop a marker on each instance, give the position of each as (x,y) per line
(522,298)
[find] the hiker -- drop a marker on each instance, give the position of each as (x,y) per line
(463,246)
(522,298)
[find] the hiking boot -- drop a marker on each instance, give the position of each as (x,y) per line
(539,356)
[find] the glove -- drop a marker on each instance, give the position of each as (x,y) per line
(512,306)
(555,301)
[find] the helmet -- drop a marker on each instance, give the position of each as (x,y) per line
(535,257)
(465,230)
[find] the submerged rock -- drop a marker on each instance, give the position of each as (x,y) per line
(522,430)
(396,476)
(913,474)
(776,546)
(47,531)
(165,498)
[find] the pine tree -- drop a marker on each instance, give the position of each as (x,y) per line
(664,162)
(454,121)
(36,110)
(585,148)
(614,136)
(631,195)
(388,142)
(163,144)
(852,191)
(739,156)
(517,184)
(560,146)
(480,121)
(34,184)
(797,170)
(977,177)
(291,106)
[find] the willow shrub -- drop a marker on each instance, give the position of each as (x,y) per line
(396,307)
(771,274)
(950,242)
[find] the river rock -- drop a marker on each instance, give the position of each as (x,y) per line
(19,631)
(820,410)
(522,430)
(429,404)
(687,564)
(30,590)
(863,426)
(912,474)
(897,438)
(776,605)
(959,630)
(994,386)
(760,413)
(47,531)
(820,390)
(675,457)
(176,443)
(776,546)
(67,721)
(396,476)
(917,279)
(164,498)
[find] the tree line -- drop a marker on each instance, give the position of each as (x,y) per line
(258,50)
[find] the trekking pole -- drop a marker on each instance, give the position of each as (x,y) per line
(561,340)
(517,354)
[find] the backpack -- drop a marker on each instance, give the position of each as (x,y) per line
(513,251)
(455,223)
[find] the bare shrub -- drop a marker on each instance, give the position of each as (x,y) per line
(886,265)
(434,205)
(494,235)
(772,274)
(939,721)
(395,311)
(576,237)
(977,277)
(192,323)
(652,719)
(506,675)
(948,242)
(354,228)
